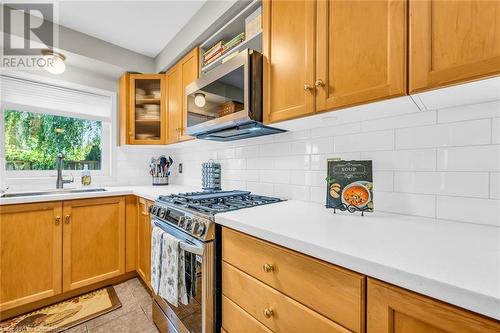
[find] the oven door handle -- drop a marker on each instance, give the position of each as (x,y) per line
(191,248)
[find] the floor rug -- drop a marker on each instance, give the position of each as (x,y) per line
(66,314)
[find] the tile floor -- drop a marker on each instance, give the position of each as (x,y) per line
(133,317)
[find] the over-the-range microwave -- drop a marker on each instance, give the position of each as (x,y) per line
(226,103)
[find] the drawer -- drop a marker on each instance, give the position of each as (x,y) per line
(283,313)
(235,320)
(334,292)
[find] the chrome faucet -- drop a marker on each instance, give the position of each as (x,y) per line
(60,181)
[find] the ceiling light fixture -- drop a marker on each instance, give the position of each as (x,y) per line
(54,62)
(199,100)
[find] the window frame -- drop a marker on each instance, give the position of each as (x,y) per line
(108,139)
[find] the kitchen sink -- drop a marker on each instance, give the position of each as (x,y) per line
(51,192)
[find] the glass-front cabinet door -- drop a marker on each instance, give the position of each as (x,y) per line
(147,116)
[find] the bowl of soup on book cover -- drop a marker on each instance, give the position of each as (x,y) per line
(357,194)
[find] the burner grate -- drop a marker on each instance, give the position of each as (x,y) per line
(213,202)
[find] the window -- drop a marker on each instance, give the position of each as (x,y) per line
(33,140)
(39,120)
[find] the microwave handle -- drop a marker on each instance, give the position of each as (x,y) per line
(191,248)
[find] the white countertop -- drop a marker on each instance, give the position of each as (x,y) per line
(458,263)
(148,192)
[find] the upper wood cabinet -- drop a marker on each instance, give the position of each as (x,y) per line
(395,310)
(288,46)
(177,78)
(94,241)
(142,109)
(321,55)
(31,253)
(453,41)
(361,52)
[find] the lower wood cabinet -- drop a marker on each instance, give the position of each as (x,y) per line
(144,241)
(53,247)
(94,241)
(395,310)
(31,253)
(300,291)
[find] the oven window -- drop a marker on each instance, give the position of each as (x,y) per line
(220,98)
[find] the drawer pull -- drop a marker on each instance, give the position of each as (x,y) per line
(268,313)
(268,268)
(67,219)
(58,220)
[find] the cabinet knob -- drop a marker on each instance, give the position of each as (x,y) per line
(57,220)
(268,268)
(268,313)
(67,219)
(319,83)
(308,87)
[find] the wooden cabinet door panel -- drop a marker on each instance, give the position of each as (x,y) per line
(288,48)
(94,241)
(30,254)
(255,297)
(174,104)
(146,126)
(236,320)
(190,72)
(453,41)
(395,310)
(303,278)
(361,51)
(144,241)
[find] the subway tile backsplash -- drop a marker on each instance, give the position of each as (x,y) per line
(442,164)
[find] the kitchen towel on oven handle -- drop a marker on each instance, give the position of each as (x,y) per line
(172,283)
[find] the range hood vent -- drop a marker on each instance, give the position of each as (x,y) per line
(243,131)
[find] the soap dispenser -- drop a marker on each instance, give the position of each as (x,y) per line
(86,179)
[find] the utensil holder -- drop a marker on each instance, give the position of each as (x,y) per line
(157,181)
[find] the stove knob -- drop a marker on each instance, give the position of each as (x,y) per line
(154,210)
(182,221)
(150,210)
(161,213)
(199,228)
(189,223)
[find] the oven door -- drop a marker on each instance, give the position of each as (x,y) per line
(198,315)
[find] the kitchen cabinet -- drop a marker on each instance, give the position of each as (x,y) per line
(287,291)
(143,118)
(93,241)
(453,42)
(177,78)
(322,55)
(144,241)
(31,253)
(361,52)
(131,218)
(288,48)
(395,310)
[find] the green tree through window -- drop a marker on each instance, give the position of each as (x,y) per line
(32,141)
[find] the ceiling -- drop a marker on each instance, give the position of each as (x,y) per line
(141,26)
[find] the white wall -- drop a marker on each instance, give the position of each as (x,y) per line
(443,163)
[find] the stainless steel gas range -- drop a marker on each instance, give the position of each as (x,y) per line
(190,217)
